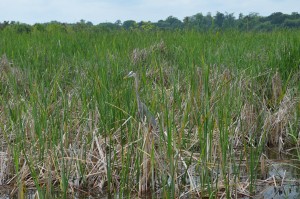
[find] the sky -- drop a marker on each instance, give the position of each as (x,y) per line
(100,11)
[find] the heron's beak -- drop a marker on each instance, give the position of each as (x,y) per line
(126,77)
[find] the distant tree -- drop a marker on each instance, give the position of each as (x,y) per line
(239,21)
(209,21)
(129,25)
(174,23)
(241,16)
(170,23)
(163,25)
(219,19)
(265,26)
(198,21)
(38,27)
(18,27)
(249,22)
(186,22)
(229,21)
(146,25)
(23,28)
(118,22)
(88,23)
(291,23)
(55,27)
(3,25)
(82,25)
(107,27)
(295,15)
(276,18)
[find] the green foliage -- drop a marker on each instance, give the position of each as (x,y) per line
(17,27)
(199,22)
(130,25)
(219,19)
(146,26)
(39,27)
(4,24)
(55,27)
(291,23)
(276,18)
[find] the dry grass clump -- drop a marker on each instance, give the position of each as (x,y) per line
(248,122)
(73,162)
(276,87)
(267,115)
(7,69)
(279,117)
(277,122)
(140,56)
(79,167)
(3,167)
(162,77)
(4,64)
(12,77)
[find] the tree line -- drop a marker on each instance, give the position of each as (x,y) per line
(199,22)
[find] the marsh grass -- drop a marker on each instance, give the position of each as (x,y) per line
(69,124)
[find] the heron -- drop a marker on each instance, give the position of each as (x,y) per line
(145,117)
(143,112)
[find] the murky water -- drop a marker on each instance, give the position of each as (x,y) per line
(282,177)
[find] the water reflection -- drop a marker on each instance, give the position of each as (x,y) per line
(284,191)
(283,177)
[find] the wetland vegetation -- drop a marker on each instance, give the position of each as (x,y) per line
(223,102)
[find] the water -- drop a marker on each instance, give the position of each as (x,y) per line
(282,179)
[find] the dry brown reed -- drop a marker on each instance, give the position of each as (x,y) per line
(139,56)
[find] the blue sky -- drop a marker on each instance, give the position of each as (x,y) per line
(98,11)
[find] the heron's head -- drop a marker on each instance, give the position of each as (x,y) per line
(130,74)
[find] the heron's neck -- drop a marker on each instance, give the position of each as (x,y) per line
(137,88)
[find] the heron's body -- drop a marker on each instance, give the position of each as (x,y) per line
(144,114)
(146,118)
